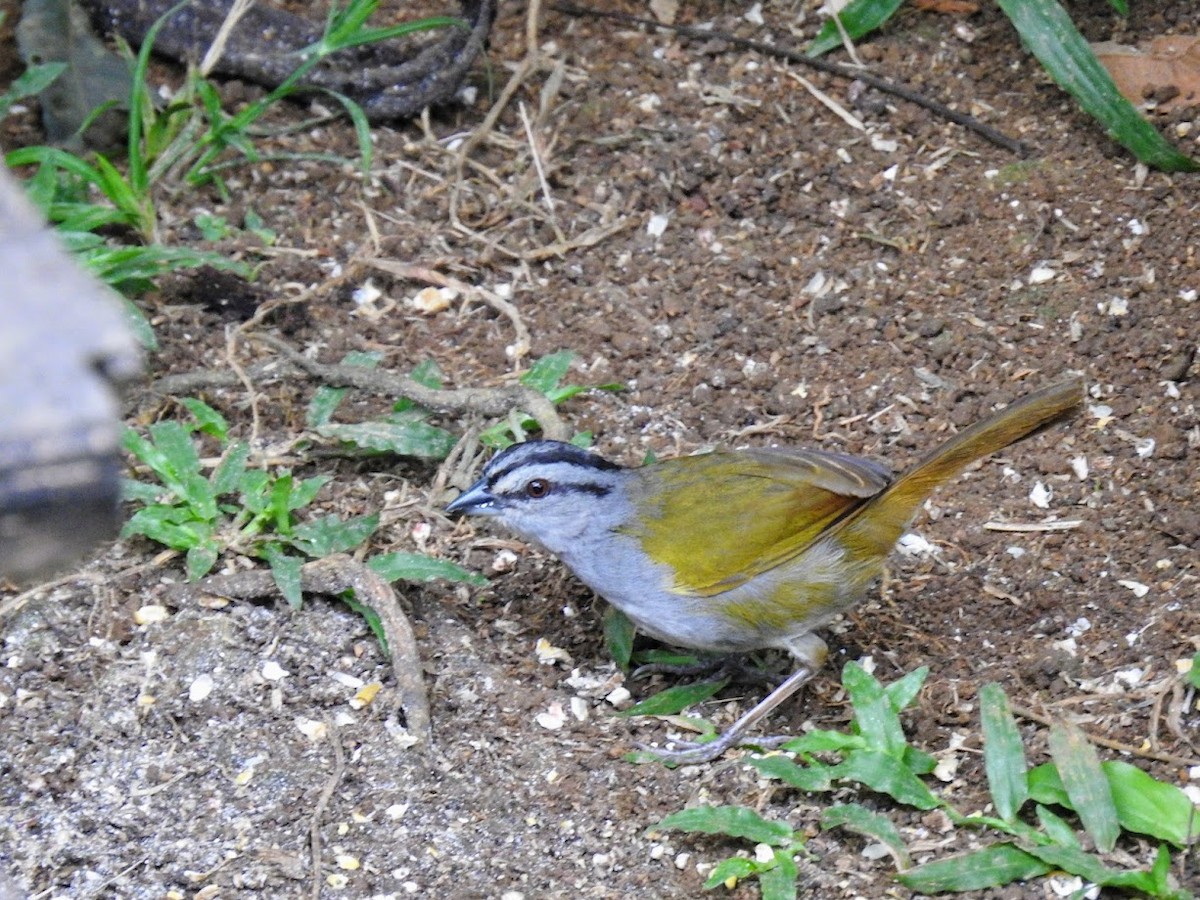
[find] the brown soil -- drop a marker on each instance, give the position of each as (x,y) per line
(864,291)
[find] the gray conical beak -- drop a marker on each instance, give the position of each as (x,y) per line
(476,500)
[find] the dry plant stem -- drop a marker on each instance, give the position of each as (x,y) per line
(314,828)
(217,49)
(492,299)
(1026,713)
(494,402)
(880,84)
(483,401)
(527,65)
(335,575)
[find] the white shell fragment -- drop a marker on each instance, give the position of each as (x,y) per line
(1139,590)
(657,225)
(1079,465)
(311,728)
(1042,274)
(200,688)
(273,671)
(1041,496)
(553,718)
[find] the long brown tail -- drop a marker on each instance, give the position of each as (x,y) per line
(877,525)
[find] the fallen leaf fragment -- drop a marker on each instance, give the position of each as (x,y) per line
(1164,71)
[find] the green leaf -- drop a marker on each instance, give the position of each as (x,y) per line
(545,374)
(886,774)
(279,503)
(1146,805)
(874,714)
(1056,827)
(902,692)
(1193,675)
(861,820)
(618,637)
(212,228)
(736,867)
(661,657)
(1090,868)
(332,534)
(255,490)
(207,419)
(859,17)
(201,559)
(417,567)
(419,439)
(1085,783)
(370,616)
(820,741)
(139,324)
(1047,30)
(140,492)
(1003,753)
(676,699)
(286,572)
(227,476)
(30,83)
(992,866)
(161,523)
(325,399)
(813,777)
(303,492)
(735,821)
(779,883)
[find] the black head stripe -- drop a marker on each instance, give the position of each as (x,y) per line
(542,453)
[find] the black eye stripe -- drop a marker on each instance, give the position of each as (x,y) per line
(596,490)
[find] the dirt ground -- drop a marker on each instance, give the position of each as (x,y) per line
(698,227)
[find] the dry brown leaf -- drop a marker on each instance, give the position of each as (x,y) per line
(1166,70)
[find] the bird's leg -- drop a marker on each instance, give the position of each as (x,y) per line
(810,651)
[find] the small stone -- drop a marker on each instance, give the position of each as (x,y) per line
(1175,368)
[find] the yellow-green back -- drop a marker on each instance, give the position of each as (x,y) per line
(721,519)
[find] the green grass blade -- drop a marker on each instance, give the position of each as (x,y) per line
(858,18)
(1003,753)
(1085,783)
(1051,36)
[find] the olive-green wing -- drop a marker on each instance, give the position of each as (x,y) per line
(720,519)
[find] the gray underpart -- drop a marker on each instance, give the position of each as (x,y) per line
(64,352)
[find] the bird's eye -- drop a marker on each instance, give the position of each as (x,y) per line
(537,488)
